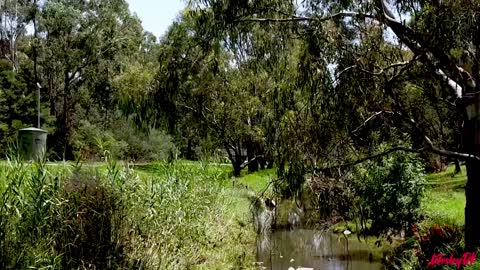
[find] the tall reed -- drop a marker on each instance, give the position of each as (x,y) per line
(74,217)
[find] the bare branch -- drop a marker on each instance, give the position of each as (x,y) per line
(246,163)
(303,19)
(432,148)
(404,64)
(370,118)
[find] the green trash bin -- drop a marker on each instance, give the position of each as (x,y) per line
(33,143)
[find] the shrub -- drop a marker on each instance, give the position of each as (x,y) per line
(85,219)
(124,141)
(389,192)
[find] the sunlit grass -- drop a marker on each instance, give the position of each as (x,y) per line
(447,180)
(257,181)
(445,207)
(444,201)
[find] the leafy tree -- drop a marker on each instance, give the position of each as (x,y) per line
(83,46)
(376,59)
(17,102)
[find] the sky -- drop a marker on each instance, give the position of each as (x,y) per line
(156,15)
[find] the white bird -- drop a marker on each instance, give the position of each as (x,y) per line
(347,232)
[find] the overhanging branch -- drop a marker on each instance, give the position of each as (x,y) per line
(369,119)
(417,44)
(316,19)
(443,152)
(376,156)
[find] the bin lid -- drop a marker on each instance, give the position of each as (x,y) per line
(33,129)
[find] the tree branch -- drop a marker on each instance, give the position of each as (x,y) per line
(369,119)
(356,162)
(439,59)
(303,19)
(448,153)
(457,89)
(245,164)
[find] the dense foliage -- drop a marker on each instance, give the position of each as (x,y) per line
(389,193)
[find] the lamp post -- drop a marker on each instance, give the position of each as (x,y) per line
(38,104)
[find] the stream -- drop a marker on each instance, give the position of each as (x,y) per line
(310,249)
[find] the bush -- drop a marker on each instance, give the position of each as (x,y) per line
(124,141)
(389,192)
(88,217)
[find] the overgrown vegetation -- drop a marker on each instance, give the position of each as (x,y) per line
(347,114)
(110,218)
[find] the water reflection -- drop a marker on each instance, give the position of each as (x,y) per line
(283,249)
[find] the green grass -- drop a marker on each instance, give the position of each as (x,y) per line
(444,201)
(258,181)
(445,207)
(447,180)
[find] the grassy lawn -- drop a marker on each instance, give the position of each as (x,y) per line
(258,181)
(447,181)
(445,197)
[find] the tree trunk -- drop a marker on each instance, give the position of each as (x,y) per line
(458,169)
(270,164)
(189,153)
(251,155)
(262,163)
(235,158)
(237,169)
(471,145)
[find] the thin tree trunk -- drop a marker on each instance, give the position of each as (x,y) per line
(458,169)
(237,169)
(189,152)
(251,155)
(66,127)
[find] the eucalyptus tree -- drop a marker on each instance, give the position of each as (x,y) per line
(15,16)
(392,60)
(212,92)
(82,45)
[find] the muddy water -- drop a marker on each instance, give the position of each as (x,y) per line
(313,249)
